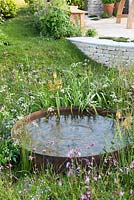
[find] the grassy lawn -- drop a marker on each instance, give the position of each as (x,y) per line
(38,73)
(27,47)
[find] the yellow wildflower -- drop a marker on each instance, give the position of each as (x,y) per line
(118,114)
(54,75)
(50,85)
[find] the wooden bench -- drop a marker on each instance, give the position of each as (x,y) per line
(76,15)
(130,20)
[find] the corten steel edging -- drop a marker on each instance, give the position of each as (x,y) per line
(42,160)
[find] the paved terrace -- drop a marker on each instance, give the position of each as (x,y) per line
(105,51)
(108,27)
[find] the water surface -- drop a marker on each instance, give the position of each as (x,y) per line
(87,134)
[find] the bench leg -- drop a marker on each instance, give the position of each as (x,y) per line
(130,20)
(82,22)
(120,11)
(74,18)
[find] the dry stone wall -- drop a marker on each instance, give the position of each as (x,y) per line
(107,52)
(95,7)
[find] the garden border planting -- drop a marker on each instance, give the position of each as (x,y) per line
(107,52)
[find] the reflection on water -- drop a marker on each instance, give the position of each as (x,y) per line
(89,135)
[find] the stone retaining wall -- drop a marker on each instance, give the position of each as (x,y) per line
(107,52)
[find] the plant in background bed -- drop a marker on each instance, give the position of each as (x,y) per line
(91,32)
(54,21)
(8,8)
(79,3)
(116,5)
(35,5)
(9,152)
(108,6)
(104,15)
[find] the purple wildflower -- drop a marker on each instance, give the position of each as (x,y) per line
(83,197)
(86,196)
(68,164)
(87,179)
(9,166)
(121,193)
(73,153)
(70,172)
(95,178)
(132,164)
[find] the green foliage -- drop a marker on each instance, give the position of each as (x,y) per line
(105,15)
(8,8)
(91,32)
(79,3)
(3,38)
(35,5)
(1,18)
(116,39)
(108,1)
(8,151)
(54,21)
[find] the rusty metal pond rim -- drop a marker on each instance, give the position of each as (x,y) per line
(42,161)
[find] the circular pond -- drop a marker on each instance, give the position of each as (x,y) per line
(72,133)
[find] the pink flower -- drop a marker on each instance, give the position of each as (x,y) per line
(87,179)
(121,193)
(67,164)
(8,166)
(73,153)
(86,196)
(95,178)
(70,172)
(34,149)
(132,164)
(70,153)
(131,191)
(83,197)
(30,158)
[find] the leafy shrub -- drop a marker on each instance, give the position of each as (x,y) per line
(8,8)
(79,3)
(35,5)
(8,151)
(54,21)
(91,32)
